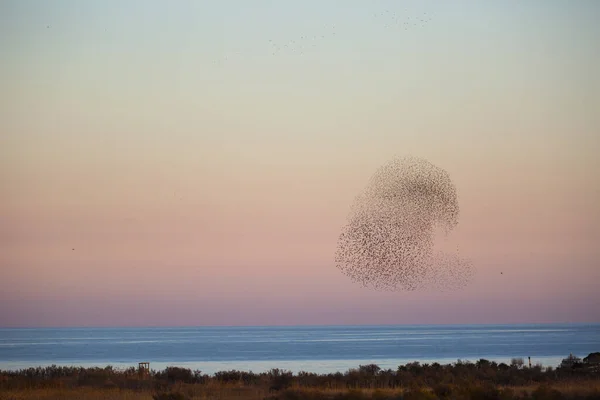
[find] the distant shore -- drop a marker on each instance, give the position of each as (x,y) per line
(316,366)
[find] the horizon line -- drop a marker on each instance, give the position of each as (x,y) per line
(295,325)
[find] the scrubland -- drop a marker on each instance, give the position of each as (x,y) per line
(574,379)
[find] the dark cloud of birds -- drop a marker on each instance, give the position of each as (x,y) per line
(388,242)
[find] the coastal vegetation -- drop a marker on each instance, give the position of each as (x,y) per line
(574,378)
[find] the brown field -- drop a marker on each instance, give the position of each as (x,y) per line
(580,390)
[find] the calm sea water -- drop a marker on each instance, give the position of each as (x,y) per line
(309,348)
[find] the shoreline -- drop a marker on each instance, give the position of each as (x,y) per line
(260,366)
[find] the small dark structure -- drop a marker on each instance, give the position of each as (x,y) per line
(144,369)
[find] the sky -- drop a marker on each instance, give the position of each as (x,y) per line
(162,164)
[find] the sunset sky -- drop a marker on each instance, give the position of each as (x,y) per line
(159,165)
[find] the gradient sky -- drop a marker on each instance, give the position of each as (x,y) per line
(202,180)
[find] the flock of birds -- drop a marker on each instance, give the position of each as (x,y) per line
(392,19)
(388,242)
(304,43)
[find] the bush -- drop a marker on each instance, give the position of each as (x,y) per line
(570,362)
(177,374)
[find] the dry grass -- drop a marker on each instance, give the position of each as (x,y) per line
(74,394)
(192,392)
(567,388)
(231,392)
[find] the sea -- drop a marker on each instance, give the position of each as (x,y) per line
(320,349)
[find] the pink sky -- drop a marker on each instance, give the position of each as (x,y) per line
(201,198)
